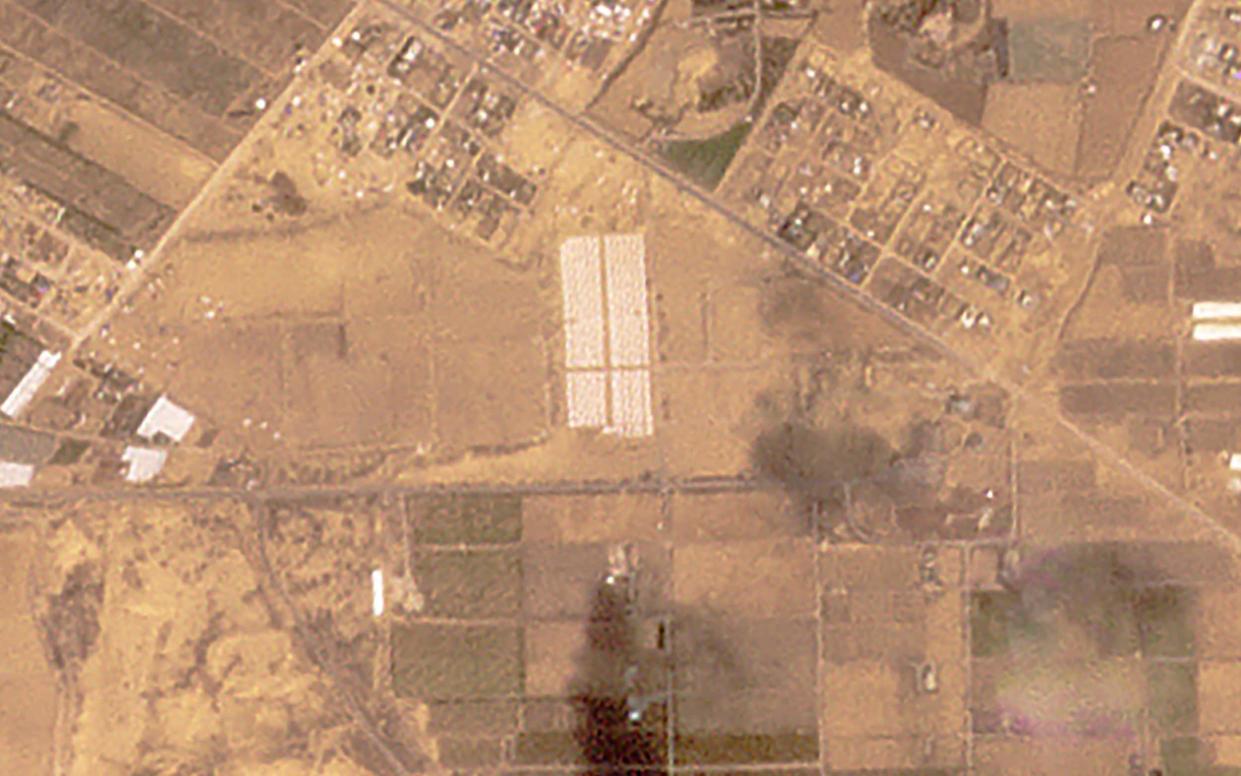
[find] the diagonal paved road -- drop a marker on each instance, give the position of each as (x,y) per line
(586,124)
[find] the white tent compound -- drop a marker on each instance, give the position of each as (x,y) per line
(607,334)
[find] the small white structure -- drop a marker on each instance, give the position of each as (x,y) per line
(377,592)
(1213,311)
(1217,331)
(145,463)
(1234,462)
(166,418)
(1217,321)
(21,395)
(15,475)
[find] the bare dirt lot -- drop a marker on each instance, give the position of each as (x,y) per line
(1125,70)
(355,351)
(1043,120)
(842,27)
(29,706)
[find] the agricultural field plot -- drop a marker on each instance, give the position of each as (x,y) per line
(1116,364)
(1145,359)
(894,672)
(603,618)
(1092,64)
(665,629)
(88,83)
(1142,688)
(613,607)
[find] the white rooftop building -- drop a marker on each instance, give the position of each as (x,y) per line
(1216,321)
(377,593)
(1214,331)
(21,395)
(1216,310)
(145,463)
(166,418)
(15,475)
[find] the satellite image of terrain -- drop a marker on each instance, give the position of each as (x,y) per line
(644,387)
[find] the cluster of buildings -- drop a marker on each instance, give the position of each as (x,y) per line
(1204,117)
(1202,126)
(1215,116)
(55,276)
(825,180)
(97,422)
(1173,150)
(405,102)
(43,267)
(1213,53)
(531,34)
